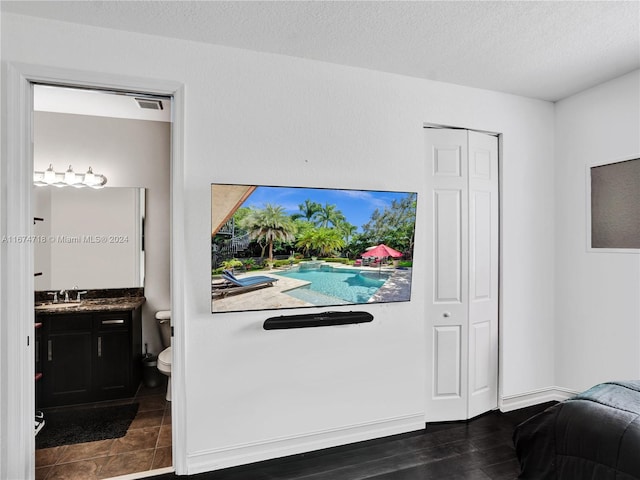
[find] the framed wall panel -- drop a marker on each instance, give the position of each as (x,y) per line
(613,204)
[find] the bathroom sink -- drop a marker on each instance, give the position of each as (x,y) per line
(57,306)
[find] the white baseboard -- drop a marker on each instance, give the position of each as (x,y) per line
(145,474)
(243,454)
(216,459)
(535,397)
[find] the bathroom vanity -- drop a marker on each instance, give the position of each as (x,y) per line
(89,351)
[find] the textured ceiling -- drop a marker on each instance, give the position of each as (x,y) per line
(546,50)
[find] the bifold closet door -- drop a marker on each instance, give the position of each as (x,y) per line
(462,278)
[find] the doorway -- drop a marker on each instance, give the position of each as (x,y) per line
(462,291)
(126,138)
(17,281)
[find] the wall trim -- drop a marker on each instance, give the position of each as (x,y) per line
(242,454)
(535,397)
(16,279)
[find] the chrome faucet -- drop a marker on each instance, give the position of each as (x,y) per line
(54,295)
(66,295)
(78,293)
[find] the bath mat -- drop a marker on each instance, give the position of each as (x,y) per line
(85,424)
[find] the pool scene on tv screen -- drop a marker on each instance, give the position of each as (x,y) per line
(276,247)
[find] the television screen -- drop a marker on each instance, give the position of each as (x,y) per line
(276,247)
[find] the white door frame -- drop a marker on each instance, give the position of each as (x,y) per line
(17,391)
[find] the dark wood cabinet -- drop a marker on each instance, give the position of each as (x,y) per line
(66,369)
(89,357)
(116,363)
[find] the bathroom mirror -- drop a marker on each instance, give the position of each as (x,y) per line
(88,238)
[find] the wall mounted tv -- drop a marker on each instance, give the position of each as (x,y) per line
(277,247)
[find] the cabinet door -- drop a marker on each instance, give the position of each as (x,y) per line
(38,363)
(67,361)
(112,378)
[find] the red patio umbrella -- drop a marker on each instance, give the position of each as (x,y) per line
(382,251)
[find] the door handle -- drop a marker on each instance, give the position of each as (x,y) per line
(49,351)
(99,346)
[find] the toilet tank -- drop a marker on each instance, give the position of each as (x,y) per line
(163,319)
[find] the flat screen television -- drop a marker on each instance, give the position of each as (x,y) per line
(279,247)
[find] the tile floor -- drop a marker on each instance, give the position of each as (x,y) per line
(146,446)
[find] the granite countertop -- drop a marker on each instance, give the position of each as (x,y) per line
(95,305)
(94,301)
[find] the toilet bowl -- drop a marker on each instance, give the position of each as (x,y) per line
(164,366)
(163,318)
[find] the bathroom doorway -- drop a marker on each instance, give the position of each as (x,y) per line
(125,137)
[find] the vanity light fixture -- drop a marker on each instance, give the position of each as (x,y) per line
(69,178)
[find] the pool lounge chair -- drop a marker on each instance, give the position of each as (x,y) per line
(233,285)
(247,281)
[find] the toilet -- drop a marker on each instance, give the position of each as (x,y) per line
(163,319)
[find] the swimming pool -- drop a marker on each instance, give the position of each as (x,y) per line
(335,286)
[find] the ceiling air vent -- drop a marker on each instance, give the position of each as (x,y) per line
(149,103)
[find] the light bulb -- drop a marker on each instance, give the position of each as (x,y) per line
(49,175)
(69,176)
(89,178)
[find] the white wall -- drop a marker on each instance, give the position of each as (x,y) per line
(260,118)
(131,153)
(598,294)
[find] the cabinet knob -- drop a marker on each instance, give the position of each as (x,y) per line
(446,314)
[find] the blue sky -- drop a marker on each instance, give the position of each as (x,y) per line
(356,205)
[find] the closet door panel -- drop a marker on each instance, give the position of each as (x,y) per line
(447,275)
(483,273)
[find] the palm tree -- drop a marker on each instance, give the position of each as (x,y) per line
(328,241)
(269,224)
(305,240)
(329,214)
(322,240)
(347,230)
(307,210)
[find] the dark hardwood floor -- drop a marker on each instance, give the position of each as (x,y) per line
(479,449)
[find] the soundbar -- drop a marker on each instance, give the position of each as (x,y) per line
(324,319)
